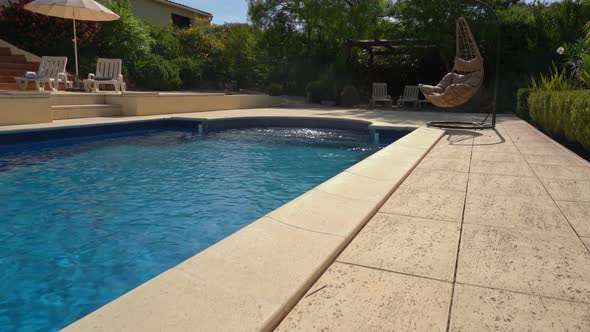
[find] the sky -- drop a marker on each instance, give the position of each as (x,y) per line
(223,10)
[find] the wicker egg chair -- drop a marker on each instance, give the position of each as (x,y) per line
(466,78)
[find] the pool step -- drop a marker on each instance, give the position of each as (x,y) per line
(61,112)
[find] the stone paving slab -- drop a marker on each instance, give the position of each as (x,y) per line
(416,246)
(484,309)
(516,212)
(501,168)
(578,214)
(353,298)
(568,190)
(437,179)
(445,164)
(442,204)
(537,263)
(562,172)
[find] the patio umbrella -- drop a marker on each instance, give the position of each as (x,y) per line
(84,10)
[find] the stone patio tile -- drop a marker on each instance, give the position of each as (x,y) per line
(536,263)
(488,185)
(451,151)
(457,138)
(506,147)
(445,164)
(484,309)
(539,148)
(436,179)
(516,212)
(352,298)
(561,159)
(409,245)
(501,168)
(578,214)
(586,241)
(497,156)
(568,190)
(562,172)
(423,203)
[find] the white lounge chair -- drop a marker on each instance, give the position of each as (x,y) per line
(108,71)
(380,94)
(52,71)
(411,93)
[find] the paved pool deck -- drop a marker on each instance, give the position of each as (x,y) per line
(490,232)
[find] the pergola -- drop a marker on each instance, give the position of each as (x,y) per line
(385,47)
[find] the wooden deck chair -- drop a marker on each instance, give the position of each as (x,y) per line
(380,94)
(52,71)
(108,71)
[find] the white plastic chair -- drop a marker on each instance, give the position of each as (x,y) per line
(410,95)
(108,71)
(380,94)
(52,71)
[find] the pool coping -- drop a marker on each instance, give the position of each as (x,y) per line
(252,279)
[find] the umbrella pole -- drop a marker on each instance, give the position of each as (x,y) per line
(75,49)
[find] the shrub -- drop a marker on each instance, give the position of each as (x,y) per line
(190,71)
(275,89)
(320,90)
(349,96)
(166,42)
(563,114)
(314,91)
(156,73)
(522,106)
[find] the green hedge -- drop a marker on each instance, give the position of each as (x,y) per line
(522,103)
(563,114)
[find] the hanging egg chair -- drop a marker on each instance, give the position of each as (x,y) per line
(460,85)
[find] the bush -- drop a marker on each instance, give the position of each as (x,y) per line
(349,96)
(563,114)
(275,89)
(156,73)
(522,106)
(320,90)
(190,71)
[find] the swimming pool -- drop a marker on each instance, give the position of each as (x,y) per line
(87,219)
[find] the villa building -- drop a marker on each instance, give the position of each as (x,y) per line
(164,12)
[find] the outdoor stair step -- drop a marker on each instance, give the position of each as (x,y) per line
(7,79)
(61,112)
(12,72)
(30,86)
(5,51)
(13,58)
(85,106)
(28,66)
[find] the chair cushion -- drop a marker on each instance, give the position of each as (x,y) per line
(103,78)
(33,76)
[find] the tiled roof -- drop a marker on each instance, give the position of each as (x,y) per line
(176,4)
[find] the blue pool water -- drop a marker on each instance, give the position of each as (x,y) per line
(85,220)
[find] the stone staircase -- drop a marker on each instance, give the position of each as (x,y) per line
(81,105)
(14,65)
